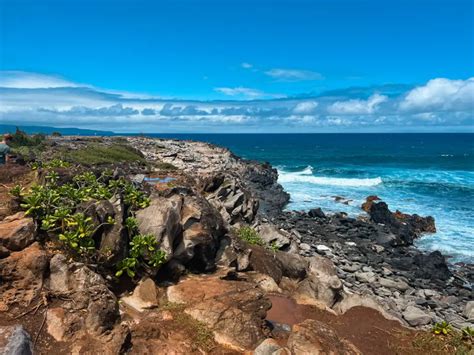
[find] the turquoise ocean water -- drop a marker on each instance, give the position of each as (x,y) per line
(428,174)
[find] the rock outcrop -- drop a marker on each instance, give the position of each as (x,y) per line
(17,232)
(186,226)
(234,310)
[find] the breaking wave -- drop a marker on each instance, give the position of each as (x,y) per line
(305,176)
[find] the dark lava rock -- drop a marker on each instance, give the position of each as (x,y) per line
(316,213)
(432,266)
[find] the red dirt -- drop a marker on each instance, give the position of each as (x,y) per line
(366,328)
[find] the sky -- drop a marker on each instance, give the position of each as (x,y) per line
(239,66)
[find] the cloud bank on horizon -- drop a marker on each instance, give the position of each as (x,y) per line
(438,105)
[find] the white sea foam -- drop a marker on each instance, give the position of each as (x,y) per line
(305,176)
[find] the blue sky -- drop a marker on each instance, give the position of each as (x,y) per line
(350,65)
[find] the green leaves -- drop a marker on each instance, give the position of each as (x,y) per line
(443,328)
(144,249)
(249,235)
(55,207)
(77,234)
(16,191)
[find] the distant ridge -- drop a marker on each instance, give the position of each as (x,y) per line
(68,131)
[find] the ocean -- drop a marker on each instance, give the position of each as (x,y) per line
(427,174)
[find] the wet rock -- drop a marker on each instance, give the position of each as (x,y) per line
(15,340)
(316,213)
(314,337)
(17,232)
(431,266)
(416,317)
(368,202)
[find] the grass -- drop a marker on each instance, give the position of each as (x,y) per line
(201,335)
(166,166)
(100,155)
(249,235)
(453,343)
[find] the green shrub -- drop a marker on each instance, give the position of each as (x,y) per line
(53,206)
(144,249)
(22,139)
(443,328)
(249,235)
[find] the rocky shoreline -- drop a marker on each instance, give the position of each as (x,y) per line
(296,283)
(374,255)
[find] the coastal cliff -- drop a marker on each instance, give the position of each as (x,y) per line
(235,273)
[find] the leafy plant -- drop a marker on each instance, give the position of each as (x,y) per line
(132,225)
(467,333)
(16,191)
(135,198)
(442,328)
(274,246)
(144,249)
(127,265)
(249,235)
(78,233)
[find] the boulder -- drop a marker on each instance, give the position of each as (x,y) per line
(265,262)
(273,236)
(17,232)
(202,229)
(270,347)
(115,240)
(145,296)
(405,227)
(292,265)
(394,284)
(162,219)
(234,202)
(15,340)
(415,316)
(469,310)
(314,337)
(316,213)
(431,266)
(322,285)
(366,277)
(89,294)
(234,310)
(22,275)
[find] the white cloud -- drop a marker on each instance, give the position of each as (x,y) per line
(356,106)
(441,95)
(246,92)
(293,74)
(246,65)
(36,99)
(26,80)
(305,107)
